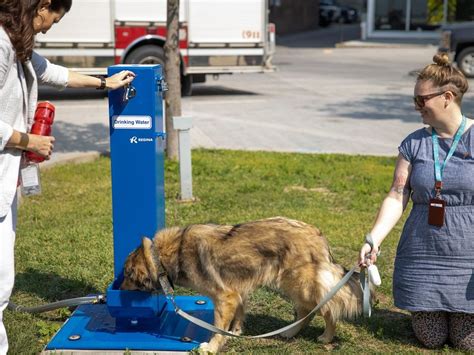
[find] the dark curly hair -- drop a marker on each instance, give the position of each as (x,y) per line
(16,17)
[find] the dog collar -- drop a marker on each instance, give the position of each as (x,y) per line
(163,277)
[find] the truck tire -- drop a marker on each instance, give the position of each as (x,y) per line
(465,61)
(148,54)
(186,85)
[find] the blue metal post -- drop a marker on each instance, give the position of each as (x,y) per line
(136,148)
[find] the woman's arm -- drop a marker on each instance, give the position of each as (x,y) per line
(116,81)
(60,77)
(391,210)
(42,145)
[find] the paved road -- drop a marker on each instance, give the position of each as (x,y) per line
(321,99)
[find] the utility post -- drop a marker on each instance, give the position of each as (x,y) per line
(183,125)
(172,64)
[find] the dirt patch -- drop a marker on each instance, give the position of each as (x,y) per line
(321,190)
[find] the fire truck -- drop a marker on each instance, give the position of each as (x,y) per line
(215,37)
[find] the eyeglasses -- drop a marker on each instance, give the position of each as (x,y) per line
(420,100)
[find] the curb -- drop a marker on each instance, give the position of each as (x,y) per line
(364,44)
(72,158)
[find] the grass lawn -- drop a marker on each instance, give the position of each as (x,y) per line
(64,239)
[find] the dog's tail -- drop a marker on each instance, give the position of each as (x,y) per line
(347,302)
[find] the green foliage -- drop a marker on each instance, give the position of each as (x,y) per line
(64,239)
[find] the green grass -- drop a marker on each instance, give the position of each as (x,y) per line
(64,239)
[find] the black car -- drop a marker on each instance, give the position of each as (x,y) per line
(330,11)
(458,40)
(349,14)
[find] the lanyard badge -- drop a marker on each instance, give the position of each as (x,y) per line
(437,205)
(30,180)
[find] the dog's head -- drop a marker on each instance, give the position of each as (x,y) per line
(140,272)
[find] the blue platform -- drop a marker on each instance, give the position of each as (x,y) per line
(91,327)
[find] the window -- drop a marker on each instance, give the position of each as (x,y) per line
(426,15)
(390,15)
(420,15)
(460,10)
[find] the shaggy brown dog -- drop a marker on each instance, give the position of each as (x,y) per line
(227,262)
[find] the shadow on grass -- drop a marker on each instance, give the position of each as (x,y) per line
(384,325)
(51,287)
(256,324)
(389,325)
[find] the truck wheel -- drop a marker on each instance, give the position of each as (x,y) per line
(148,54)
(186,85)
(465,61)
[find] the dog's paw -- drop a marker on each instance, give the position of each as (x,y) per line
(237,331)
(205,349)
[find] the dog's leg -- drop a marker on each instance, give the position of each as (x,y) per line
(301,312)
(299,285)
(238,322)
(330,329)
(225,306)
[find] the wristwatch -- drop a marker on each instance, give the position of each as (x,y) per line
(102,83)
(369,240)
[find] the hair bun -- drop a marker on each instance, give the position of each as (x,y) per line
(442,59)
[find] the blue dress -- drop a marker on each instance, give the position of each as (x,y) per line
(434,266)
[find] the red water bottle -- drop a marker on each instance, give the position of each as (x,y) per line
(43,121)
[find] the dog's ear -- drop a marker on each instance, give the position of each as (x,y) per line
(147,243)
(149,260)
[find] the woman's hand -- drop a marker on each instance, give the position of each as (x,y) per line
(41,145)
(364,259)
(119,80)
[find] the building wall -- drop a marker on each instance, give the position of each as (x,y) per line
(294,15)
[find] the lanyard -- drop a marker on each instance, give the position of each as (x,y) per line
(434,137)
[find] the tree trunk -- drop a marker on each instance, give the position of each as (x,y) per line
(172,76)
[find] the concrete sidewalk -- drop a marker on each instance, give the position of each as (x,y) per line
(351,100)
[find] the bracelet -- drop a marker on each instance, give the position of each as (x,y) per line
(369,240)
(102,83)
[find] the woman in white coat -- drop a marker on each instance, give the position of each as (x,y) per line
(20,71)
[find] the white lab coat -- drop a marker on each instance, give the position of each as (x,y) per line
(18,98)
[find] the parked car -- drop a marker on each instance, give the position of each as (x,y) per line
(349,14)
(458,40)
(330,11)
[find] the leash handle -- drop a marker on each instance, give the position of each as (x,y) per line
(365,284)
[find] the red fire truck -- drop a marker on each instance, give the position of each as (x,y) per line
(215,37)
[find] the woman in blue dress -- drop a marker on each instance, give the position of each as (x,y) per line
(434,266)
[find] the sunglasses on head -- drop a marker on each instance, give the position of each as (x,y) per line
(420,100)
